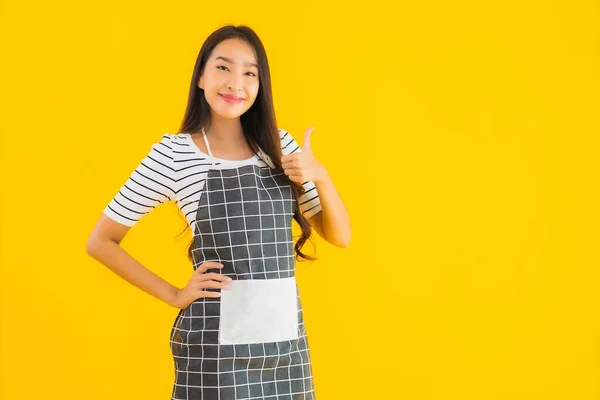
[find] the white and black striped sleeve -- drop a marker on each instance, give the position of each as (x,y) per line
(151,183)
(309,202)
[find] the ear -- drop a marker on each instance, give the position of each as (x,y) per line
(200,84)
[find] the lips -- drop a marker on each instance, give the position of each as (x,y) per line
(231,99)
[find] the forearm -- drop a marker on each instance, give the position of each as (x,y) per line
(113,256)
(335,219)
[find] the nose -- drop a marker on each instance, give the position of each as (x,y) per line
(235,84)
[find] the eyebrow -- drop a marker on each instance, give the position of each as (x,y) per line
(229,60)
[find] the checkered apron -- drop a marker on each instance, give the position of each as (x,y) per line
(251,342)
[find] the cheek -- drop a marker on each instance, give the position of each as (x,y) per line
(213,77)
(211,91)
(213,85)
(211,96)
(253,89)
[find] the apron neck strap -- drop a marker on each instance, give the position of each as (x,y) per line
(212,159)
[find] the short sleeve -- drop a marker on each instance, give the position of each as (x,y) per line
(309,201)
(151,183)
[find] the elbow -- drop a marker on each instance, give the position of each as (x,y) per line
(344,242)
(90,247)
(97,245)
(93,245)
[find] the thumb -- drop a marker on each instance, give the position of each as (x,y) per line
(306,141)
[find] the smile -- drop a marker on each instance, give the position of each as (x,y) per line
(231,99)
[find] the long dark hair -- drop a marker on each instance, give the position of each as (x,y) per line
(258,123)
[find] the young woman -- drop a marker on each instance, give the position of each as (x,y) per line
(239,181)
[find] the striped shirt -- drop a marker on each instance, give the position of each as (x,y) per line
(175,170)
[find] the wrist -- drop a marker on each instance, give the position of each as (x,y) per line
(173,296)
(322,176)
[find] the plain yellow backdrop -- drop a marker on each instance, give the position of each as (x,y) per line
(461,135)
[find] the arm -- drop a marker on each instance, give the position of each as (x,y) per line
(151,183)
(327,213)
(332,223)
(104,246)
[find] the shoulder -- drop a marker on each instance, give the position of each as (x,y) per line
(165,141)
(166,145)
(288,143)
(284,135)
(160,157)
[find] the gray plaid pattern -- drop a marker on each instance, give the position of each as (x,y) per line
(244,221)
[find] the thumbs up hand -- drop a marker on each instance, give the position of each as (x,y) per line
(302,165)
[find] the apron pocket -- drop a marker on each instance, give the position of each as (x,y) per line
(259,311)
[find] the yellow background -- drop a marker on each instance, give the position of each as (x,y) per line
(461,135)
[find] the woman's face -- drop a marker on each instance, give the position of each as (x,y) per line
(230,78)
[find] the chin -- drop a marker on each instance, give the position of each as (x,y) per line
(229,115)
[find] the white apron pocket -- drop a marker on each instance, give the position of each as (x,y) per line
(259,311)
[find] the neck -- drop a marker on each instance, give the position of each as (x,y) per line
(225,130)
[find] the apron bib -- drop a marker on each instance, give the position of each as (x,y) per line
(244,221)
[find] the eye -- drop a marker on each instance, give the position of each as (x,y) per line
(219,66)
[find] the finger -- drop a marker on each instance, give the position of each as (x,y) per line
(291,166)
(213,276)
(290,171)
(293,163)
(207,265)
(204,293)
(290,157)
(306,142)
(211,284)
